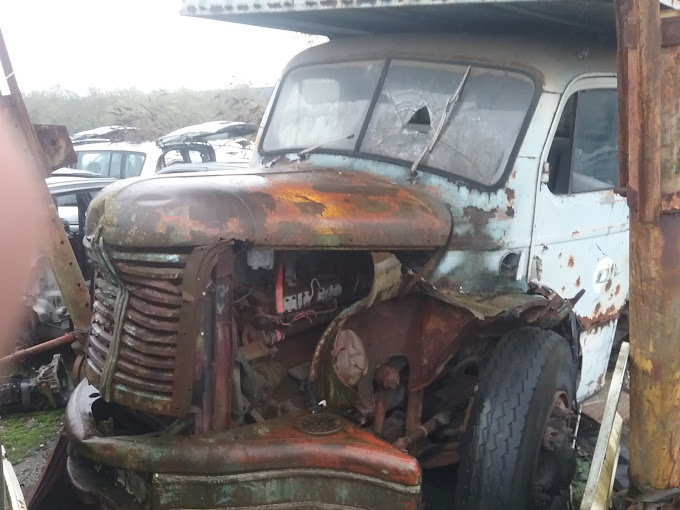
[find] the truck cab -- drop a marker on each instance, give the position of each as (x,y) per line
(423,266)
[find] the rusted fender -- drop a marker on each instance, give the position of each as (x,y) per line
(276,444)
(310,208)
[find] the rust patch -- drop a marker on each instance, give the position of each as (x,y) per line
(575,233)
(479,218)
(608,286)
(570,262)
(309,206)
(510,193)
(617,290)
(598,318)
(510,212)
(578,281)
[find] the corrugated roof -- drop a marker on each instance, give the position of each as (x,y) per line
(336,18)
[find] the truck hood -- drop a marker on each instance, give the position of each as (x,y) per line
(310,208)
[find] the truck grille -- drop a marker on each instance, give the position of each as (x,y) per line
(142,375)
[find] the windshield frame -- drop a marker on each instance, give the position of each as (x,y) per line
(359,138)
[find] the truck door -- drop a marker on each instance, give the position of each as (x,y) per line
(580,236)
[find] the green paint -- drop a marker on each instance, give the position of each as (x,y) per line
(276,490)
(342,494)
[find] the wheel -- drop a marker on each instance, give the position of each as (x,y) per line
(516,452)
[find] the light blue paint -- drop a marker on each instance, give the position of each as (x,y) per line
(225,494)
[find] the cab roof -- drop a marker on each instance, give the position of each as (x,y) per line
(555,62)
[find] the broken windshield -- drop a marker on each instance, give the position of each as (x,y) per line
(325,102)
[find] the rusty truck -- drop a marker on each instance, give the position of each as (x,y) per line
(424,266)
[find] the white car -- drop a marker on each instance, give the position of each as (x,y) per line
(222,141)
(232,141)
(121,160)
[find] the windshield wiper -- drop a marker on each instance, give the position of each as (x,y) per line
(305,152)
(450,104)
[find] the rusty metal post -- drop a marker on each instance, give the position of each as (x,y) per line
(59,252)
(30,351)
(224,339)
(650,170)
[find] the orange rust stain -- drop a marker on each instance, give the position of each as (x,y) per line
(434,190)
(608,286)
(571,261)
(578,281)
(598,307)
(617,290)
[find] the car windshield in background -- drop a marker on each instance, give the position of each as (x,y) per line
(326,104)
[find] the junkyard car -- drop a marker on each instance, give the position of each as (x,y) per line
(231,140)
(72,192)
(211,141)
(424,267)
(122,160)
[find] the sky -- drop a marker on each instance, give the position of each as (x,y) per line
(146,44)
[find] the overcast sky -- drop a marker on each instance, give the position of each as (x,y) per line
(146,44)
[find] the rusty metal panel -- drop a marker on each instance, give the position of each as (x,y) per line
(56,144)
(279,444)
(648,87)
(288,489)
(59,251)
(316,208)
(596,345)
(143,323)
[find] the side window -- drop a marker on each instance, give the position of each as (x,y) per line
(72,207)
(134,162)
(172,157)
(198,156)
(116,164)
(584,153)
(96,162)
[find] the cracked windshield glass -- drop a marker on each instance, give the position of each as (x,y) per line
(397,118)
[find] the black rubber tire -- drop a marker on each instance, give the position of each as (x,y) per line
(503,438)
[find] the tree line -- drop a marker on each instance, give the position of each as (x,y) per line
(154,113)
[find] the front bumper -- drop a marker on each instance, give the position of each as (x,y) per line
(272,465)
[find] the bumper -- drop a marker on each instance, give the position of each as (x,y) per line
(272,465)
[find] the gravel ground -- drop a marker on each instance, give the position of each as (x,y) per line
(28,471)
